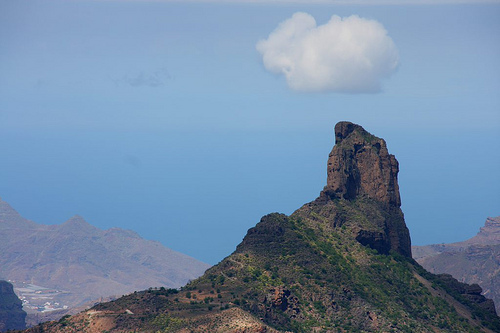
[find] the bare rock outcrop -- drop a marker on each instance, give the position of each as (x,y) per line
(361,168)
(360,164)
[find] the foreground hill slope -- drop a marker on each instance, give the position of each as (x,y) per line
(80,263)
(341,263)
(475,260)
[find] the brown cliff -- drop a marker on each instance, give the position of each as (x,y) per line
(362,176)
(359,164)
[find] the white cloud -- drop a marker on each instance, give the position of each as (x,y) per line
(350,55)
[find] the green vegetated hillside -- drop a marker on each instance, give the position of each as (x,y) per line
(341,263)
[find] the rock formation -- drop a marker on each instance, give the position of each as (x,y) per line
(361,170)
(338,264)
(359,164)
(12,316)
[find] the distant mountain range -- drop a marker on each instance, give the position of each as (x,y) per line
(57,267)
(476,260)
(341,263)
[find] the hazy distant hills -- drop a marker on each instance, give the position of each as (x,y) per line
(75,262)
(341,263)
(476,260)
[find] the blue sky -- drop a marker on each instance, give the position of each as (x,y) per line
(162,117)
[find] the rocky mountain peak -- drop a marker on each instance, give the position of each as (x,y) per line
(344,128)
(360,165)
(362,176)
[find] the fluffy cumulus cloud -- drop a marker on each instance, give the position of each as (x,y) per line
(349,55)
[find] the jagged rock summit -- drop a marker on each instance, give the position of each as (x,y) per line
(341,263)
(360,167)
(360,164)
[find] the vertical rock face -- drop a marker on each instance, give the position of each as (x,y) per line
(359,164)
(12,315)
(361,171)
